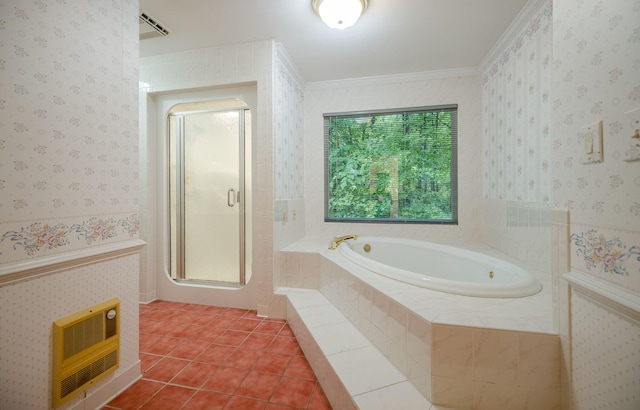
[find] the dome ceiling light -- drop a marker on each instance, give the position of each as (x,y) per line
(339,14)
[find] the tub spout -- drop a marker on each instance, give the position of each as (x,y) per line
(337,241)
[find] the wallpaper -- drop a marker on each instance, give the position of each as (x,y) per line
(597,78)
(25,357)
(605,370)
(288,109)
(517,116)
(68,180)
(68,115)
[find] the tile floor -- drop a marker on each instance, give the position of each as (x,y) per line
(209,357)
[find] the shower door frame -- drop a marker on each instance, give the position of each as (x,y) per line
(181,274)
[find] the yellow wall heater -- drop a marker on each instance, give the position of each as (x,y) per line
(86,346)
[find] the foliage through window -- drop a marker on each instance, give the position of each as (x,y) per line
(392,166)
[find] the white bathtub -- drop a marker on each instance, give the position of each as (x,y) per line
(440,267)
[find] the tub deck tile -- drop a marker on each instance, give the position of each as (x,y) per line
(353,372)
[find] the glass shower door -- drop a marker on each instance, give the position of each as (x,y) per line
(207,207)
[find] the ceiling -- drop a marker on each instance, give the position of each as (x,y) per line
(391,37)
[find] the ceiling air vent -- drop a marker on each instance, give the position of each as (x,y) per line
(150,27)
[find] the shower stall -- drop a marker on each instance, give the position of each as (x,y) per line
(206,177)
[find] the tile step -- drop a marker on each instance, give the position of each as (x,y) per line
(353,373)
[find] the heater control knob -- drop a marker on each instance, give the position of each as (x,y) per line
(111,314)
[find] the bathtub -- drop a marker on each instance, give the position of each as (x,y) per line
(440,267)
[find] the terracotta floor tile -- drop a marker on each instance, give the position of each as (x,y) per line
(182,331)
(226,380)
(163,346)
(188,349)
(284,345)
(243,358)
(258,385)
(241,403)
(318,400)
(194,374)
(223,321)
(190,317)
(207,400)
(274,406)
(286,331)
(269,327)
(293,392)
(300,367)
(148,360)
(169,398)
(275,363)
(244,324)
(209,357)
(252,314)
(257,341)
(231,338)
(145,340)
(204,318)
(136,395)
(215,354)
(206,333)
(160,328)
(165,369)
(234,312)
(194,308)
(214,310)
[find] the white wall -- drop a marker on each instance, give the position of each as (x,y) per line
(460,87)
(205,70)
(68,185)
(288,163)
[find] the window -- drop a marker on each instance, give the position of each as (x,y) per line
(391,166)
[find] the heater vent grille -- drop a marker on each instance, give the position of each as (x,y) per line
(83,335)
(88,373)
(85,349)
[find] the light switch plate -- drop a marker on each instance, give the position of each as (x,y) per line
(631,130)
(592,140)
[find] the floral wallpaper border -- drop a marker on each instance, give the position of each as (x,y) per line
(41,236)
(603,255)
(534,25)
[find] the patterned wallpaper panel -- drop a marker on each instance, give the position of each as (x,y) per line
(597,77)
(32,306)
(606,357)
(288,134)
(517,116)
(68,177)
(68,115)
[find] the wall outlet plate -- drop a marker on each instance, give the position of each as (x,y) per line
(591,136)
(631,129)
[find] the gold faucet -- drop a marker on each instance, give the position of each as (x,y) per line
(337,241)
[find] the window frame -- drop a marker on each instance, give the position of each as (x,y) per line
(453,108)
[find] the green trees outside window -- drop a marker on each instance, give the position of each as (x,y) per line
(392,166)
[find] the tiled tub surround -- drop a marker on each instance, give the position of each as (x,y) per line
(458,351)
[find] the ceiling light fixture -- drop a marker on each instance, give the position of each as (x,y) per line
(339,13)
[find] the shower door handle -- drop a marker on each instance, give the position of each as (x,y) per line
(231,197)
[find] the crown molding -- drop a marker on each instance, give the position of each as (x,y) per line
(517,25)
(395,78)
(287,61)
